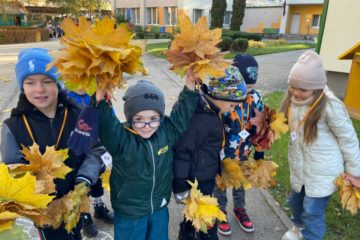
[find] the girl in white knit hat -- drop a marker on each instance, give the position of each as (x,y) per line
(323,144)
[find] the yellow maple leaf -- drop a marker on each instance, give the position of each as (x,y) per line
(349,195)
(21,190)
(96,56)
(202,210)
(232,175)
(7,220)
(278,125)
(195,49)
(106,180)
(46,167)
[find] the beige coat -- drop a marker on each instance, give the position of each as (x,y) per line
(317,165)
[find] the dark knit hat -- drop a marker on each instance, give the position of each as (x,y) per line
(142,96)
(230,88)
(248,67)
(32,61)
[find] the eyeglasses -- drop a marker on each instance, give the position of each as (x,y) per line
(152,124)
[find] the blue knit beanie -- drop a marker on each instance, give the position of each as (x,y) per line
(248,67)
(230,88)
(32,61)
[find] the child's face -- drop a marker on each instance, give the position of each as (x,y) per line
(42,92)
(145,123)
(300,94)
(226,106)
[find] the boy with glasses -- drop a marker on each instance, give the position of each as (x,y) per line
(142,157)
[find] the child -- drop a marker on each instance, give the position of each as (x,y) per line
(45,116)
(142,157)
(323,139)
(196,154)
(96,191)
(238,141)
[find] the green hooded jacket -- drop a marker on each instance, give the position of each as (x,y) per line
(141,176)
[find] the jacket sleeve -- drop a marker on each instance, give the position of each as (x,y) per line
(111,131)
(232,129)
(181,113)
(183,152)
(9,148)
(92,166)
(259,105)
(340,123)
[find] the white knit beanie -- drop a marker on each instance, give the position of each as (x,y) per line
(308,72)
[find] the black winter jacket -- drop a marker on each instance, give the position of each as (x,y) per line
(45,130)
(197,153)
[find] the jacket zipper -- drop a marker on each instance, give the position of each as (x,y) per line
(153,187)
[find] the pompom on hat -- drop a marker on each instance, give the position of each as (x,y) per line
(32,61)
(308,72)
(142,96)
(247,66)
(231,87)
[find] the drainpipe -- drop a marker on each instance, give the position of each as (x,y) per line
(322,25)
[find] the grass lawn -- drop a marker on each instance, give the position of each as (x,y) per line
(340,224)
(157,49)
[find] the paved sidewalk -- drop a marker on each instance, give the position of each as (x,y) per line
(270,221)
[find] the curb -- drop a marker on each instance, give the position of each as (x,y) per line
(276,208)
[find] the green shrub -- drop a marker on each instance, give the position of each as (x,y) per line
(138,28)
(140,35)
(240,44)
(225,44)
(157,35)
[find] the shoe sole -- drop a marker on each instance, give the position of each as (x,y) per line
(224,233)
(248,230)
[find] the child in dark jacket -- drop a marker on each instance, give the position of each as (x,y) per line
(96,191)
(238,140)
(142,157)
(44,115)
(197,153)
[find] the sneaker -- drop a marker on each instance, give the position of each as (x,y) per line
(88,227)
(224,228)
(293,234)
(243,219)
(103,213)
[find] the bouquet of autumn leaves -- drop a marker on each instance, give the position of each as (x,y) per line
(194,51)
(202,210)
(96,56)
(28,190)
(349,194)
(250,173)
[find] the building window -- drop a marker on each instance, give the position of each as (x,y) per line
(227,18)
(198,13)
(122,12)
(170,15)
(152,16)
(135,15)
(316,21)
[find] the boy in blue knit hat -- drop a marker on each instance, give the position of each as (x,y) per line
(45,116)
(238,140)
(197,153)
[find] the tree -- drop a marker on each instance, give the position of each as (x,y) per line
(217,11)
(238,14)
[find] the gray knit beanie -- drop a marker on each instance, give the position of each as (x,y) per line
(144,95)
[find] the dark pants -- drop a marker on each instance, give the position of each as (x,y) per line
(60,233)
(186,228)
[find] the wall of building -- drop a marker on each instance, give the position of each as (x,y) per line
(341,32)
(256,19)
(306,13)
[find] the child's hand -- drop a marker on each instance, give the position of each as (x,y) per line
(191,79)
(353,180)
(100,94)
(180,197)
